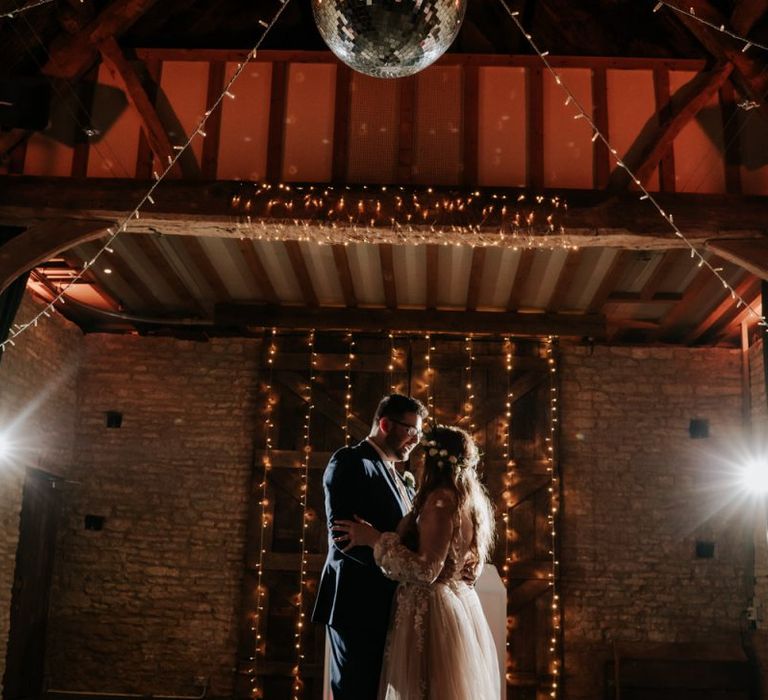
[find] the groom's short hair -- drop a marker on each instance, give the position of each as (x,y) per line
(396,406)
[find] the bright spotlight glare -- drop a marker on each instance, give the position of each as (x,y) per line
(5,447)
(754,476)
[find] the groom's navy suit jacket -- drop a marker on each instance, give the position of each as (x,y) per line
(352,591)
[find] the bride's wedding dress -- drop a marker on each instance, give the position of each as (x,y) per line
(439,646)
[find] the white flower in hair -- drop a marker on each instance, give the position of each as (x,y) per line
(453,459)
(432,452)
(443,452)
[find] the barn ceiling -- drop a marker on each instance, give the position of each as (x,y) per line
(515,218)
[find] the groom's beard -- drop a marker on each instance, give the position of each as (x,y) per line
(396,449)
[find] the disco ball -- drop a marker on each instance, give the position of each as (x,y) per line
(389,38)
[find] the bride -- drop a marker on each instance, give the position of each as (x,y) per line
(439,646)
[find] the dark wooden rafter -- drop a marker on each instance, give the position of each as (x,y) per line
(610,280)
(731,129)
(669,259)
(299,266)
(663,98)
(341,260)
(71,56)
(88,277)
(535,140)
(749,72)
(137,97)
(601,155)
(85,91)
(480,322)
(693,97)
(322,403)
(276,129)
(407,127)
(386,260)
(521,278)
(565,280)
(202,262)
(210,154)
(342,107)
(475,278)
(691,299)
(144,155)
(258,270)
(147,299)
(751,254)
(42,242)
(471,119)
(148,246)
(725,311)
(433,261)
(205,209)
(748,315)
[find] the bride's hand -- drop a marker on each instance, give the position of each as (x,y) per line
(355,533)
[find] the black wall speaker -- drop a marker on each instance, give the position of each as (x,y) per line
(25,103)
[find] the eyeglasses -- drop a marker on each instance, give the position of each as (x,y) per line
(412,430)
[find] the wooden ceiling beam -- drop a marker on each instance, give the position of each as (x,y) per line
(611,279)
(258,270)
(521,278)
(749,74)
(691,298)
(341,259)
(433,257)
(693,97)
(669,259)
(479,322)
(42,242)
(748,253)
(300,269)
(210,209)
(475,278)
(565,280)
(71,56)
(723,314)
(148,246)
(202,261)
(386,260)
(137,97)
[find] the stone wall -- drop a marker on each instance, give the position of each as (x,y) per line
(639,492)
(38,387)
(149,603)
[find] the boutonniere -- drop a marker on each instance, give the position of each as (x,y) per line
(409,479)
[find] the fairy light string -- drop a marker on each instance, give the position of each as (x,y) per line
(348,387)
(552,518)
(25,8)
(147,199)
(298,682)
(721,28)
(645,194)
(469,395)
(508,463)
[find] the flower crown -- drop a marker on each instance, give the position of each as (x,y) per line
(434,449)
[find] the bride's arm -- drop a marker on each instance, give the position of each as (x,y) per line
(436,522)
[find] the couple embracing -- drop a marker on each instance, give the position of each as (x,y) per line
(396,591)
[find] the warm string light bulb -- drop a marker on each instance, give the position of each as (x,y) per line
(298,683)
(147,199)
(509,463)
(430,377)
(348,387)
(259,639)
(645,194)
(552,517)
(469,392)
(392,364)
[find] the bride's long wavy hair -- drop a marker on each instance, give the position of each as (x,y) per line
(450,461)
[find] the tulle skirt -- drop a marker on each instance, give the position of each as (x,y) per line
(439,646)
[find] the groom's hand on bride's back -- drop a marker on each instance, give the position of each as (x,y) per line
(354,533)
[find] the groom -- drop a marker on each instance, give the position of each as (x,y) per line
(354,597)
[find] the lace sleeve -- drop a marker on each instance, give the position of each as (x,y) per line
(435,533)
